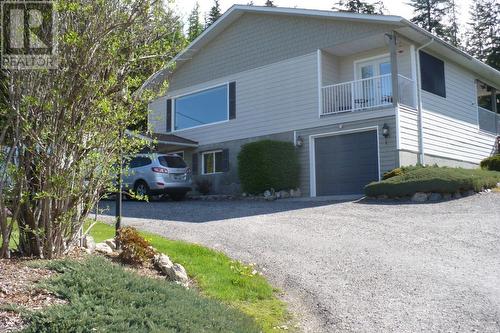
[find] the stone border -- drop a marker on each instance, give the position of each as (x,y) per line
(421,197)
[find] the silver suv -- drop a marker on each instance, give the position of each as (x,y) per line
(156,174)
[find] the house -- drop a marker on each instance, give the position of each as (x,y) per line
(341,86)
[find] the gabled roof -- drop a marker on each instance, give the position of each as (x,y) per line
(401,25)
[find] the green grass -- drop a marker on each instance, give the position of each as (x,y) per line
(434,179)
(218,277)
(103,297)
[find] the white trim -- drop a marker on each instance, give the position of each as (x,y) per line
(398,128)
(174,99)
(413,65)
(203,162)
(320,82)
(312,152)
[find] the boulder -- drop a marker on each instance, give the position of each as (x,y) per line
(178,274)
(447,196)
(284,194)
(457,195)
(419,197)
(163,263)
(111,243)
(103,248)
(89,243)
(435,197)
(383,197)
(295,193)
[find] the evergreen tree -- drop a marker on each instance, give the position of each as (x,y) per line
(213,14)
(195,26)
(358,6)
(429,14)
(483,33)
(452,31)
(270,3)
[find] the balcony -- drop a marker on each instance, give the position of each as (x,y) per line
(365,94)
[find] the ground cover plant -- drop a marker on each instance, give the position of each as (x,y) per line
(103,297)
(218,277)
(433,179)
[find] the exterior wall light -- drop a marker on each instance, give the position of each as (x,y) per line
(385,131)
(299,142)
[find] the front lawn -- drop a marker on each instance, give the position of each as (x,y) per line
(433,179)
(219,277)
(103,297)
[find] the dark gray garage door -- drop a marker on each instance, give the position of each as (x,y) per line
(346,163)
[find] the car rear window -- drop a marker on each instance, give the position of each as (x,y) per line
(172,161)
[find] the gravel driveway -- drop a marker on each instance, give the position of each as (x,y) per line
(357,267)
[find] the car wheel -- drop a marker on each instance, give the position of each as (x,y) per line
(142,189)
(178,196)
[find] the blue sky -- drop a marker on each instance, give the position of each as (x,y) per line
(393,7)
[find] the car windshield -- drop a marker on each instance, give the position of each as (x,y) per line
(171,161)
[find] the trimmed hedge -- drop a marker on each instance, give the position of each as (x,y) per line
(434,179)
(491,163)
(267,164)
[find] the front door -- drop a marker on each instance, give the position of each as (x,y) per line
(374,84)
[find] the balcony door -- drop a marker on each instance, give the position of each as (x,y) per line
(373,82)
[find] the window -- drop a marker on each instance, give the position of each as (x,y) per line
(171,161)
(180,153)
(139,161)
(202,108)
(212,162)
(432,74)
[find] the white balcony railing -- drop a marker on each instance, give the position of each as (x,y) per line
(366,94)
(488,120)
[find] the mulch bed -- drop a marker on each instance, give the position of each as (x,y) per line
(17,288)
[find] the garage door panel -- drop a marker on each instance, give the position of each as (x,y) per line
(346,163)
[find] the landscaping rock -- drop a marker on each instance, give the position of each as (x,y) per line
(419,197)
(383,197)
(178,274)
(447,196)
(163,263)
(457,195)
(111,243)
(284,194)
(89,243)
(103,248)
(295,193)
(173,272)
(435,197)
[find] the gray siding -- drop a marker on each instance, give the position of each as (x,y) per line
(272,99)
(330,69)
(228,182)
(256,40)
(388,151)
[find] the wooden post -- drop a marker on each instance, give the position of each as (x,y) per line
(394,68)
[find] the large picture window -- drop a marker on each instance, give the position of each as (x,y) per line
(432,74)
(202,108)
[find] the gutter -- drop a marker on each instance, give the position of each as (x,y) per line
(421,152)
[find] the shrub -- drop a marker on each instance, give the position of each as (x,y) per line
(204,186)
(268,164)
(401,171)
(103,297)
(491,163)
(434,179)
(135,249)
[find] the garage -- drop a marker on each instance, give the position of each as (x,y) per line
(345,163)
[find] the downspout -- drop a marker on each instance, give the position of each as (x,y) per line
(421,155)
